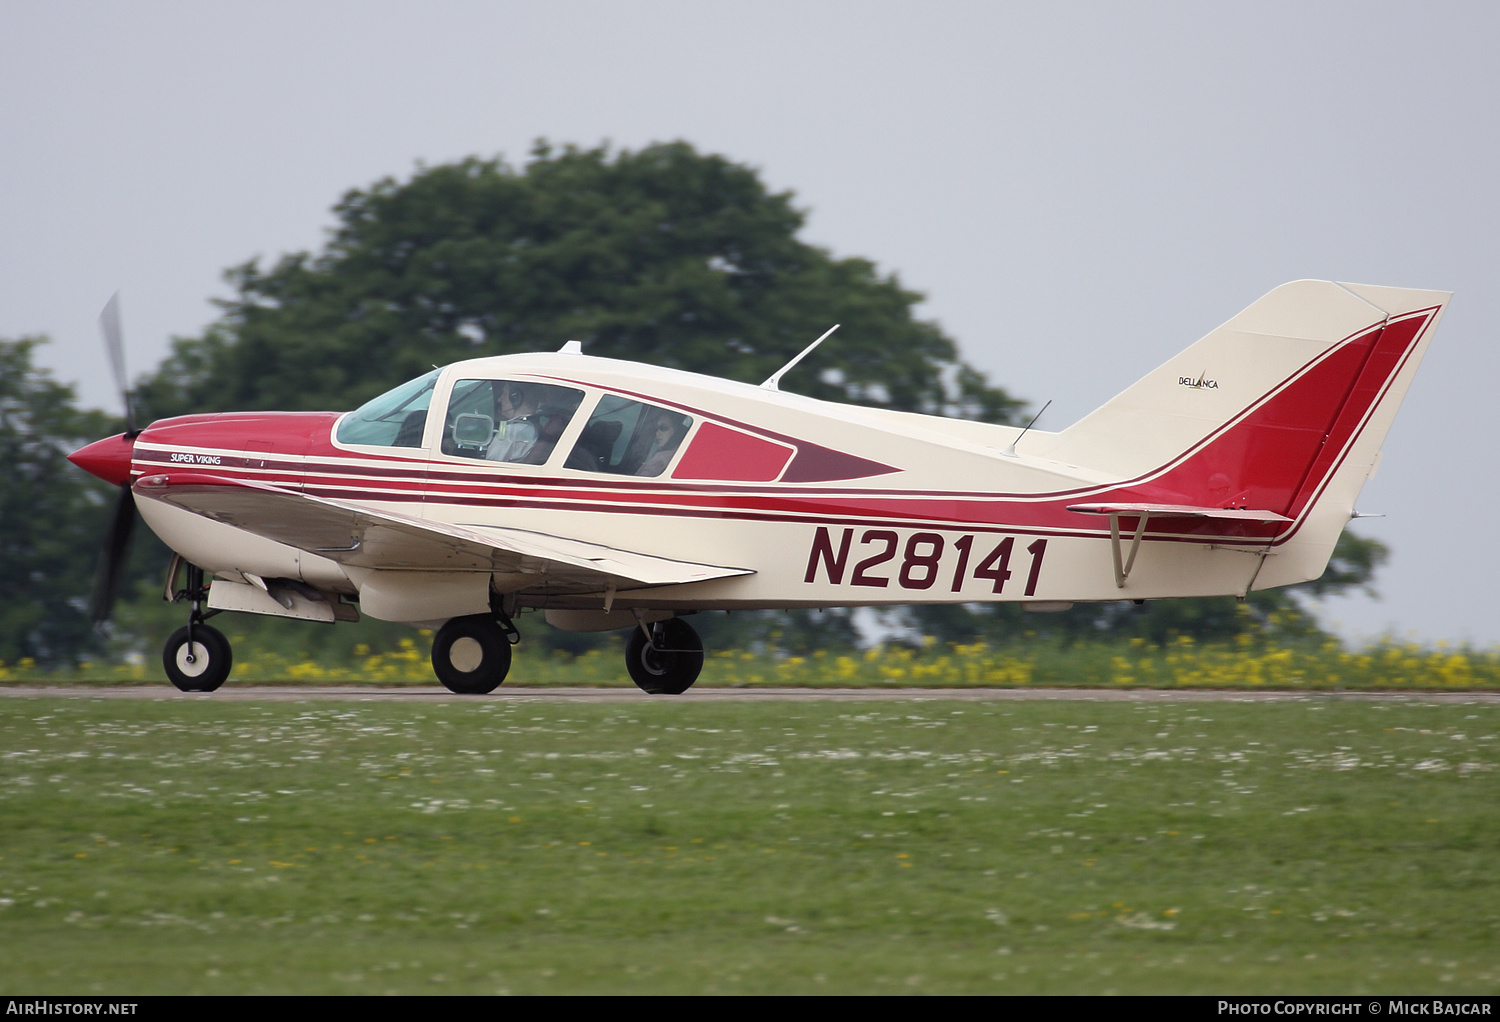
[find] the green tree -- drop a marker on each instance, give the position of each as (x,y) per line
(665,255)
(52,515)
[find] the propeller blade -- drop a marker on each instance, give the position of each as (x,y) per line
(114,346)
(112,559)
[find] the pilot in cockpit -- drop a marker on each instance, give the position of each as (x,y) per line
(515,433)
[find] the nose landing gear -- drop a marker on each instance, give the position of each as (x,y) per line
(197,658)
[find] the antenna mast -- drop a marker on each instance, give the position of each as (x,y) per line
(773,381)
(1010,452)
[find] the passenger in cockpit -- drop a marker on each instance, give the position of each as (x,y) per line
(669,433)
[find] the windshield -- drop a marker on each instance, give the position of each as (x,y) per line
(394,419)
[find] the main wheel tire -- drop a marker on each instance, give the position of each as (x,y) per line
(670,669)
(471,655)
(210,660)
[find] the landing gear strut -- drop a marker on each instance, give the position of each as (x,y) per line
(669,661)
(197,658)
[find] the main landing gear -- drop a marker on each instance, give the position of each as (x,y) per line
(471,655)
(197,658)
(667,660)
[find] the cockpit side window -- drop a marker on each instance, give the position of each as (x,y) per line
(513,421)
(627,437)
(394,419)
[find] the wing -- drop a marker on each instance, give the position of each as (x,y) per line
(360,537)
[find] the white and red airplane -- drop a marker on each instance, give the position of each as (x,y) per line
(610,494)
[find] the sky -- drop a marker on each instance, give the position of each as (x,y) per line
(1081,190)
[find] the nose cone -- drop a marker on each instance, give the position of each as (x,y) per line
(109,459)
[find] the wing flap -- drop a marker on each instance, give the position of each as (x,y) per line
(365,538)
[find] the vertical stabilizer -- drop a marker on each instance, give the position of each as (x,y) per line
(1281,409)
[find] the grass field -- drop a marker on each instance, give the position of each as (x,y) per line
(481,846)
(1033,660)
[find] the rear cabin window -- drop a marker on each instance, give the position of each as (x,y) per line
(512,421)
(728,455)
(630,438)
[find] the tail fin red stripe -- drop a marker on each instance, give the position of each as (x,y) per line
(1262,460)
(1392,346)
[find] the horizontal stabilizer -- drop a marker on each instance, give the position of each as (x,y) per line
(1143,513)
(1178,511)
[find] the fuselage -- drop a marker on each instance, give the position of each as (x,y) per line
(828,504)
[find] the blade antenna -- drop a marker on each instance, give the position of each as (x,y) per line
(1010,452)
(114,345)
(774,380)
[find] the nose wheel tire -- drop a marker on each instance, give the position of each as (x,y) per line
(200,666)
(471,655)
(669,663)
